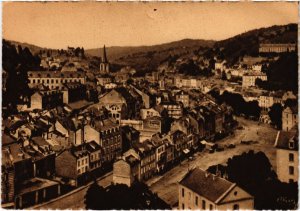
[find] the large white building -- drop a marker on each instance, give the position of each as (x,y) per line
(277,48)
(54,79)
(199,190)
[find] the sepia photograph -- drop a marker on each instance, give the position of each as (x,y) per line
(149,105)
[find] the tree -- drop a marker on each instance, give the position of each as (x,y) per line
(95,197)
(275,115)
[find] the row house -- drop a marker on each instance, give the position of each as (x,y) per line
(27,172)
(182,97)
(130,136)
(54,79)
(181,143)
(126,169)
(174,109)
(145,154)
(289,117)
(73,165)
(266,101)
(107,134)
(46,100)
(249,79)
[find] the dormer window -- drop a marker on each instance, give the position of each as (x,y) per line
(291,144)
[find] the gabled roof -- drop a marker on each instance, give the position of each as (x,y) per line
(283,139)
(207,185)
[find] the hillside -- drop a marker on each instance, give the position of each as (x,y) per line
(33,48)
(149,57)
(248,43)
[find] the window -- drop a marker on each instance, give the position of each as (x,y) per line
(291,157)
(210,207)
(78,163)
(190,195)
(52,81)
(291,144)
(196,200)
(291,170)
(78,171)
(182,192)
(203,205)
(183,206)
(33,80)
(236,207)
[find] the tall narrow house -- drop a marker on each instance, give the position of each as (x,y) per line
(104,65)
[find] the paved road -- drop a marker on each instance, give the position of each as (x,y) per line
(166,186)
(76,199)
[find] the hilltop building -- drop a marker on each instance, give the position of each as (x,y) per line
(276,48)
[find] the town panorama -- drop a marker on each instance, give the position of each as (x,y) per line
(192,124)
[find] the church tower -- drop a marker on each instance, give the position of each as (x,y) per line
(104,65)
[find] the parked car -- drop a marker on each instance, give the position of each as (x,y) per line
(231,146)
(219,149)
(211,151)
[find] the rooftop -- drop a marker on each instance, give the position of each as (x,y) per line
(207,185)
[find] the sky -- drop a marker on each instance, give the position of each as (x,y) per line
(93,24)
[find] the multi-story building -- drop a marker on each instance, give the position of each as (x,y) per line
(267,100)
(287,154)
(73,92)
(54,79)
(199,190)
(126,170)
(46,99)
(191,83)
(107,134)
(183,98)
(289,118)
(250,78)
(277,48)
(72,164)
(121,104)
(174,109)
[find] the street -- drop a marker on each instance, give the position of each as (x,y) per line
(166,186)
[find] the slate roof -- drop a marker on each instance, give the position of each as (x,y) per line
(55,74)
(284,137)
(207,185)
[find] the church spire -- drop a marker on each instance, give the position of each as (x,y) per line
(104,58)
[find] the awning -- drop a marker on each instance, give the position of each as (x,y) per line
(186,151)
